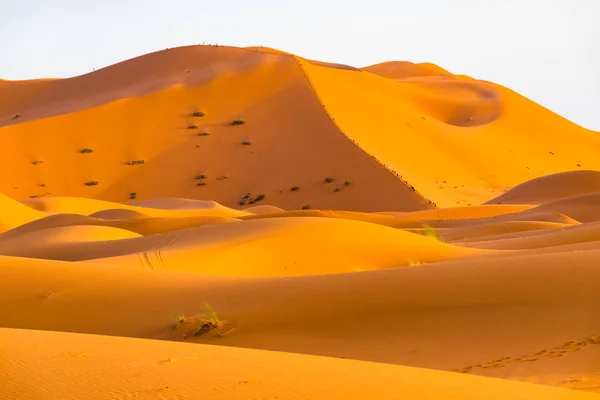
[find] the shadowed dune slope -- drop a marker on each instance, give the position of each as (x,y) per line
(141,111)
(457,141)
(84,367)
(529,318)
(551,187)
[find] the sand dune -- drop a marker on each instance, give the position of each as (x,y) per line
(263,247)
(102,367)
(144,116)
(551,187)
(245,200)
(458,315)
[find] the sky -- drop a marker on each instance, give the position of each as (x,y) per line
(547,50)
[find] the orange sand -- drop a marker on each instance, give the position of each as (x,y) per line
(459,232)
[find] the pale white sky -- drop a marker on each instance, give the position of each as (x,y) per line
(547,50)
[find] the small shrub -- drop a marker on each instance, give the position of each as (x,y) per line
(295,188)
(37,162)
(242,203)
(209,321)
(336,190)
(247,142)
(91,183)
(201,176)
(306,207)
(430,232)
(220,178)
(192,127)
(136,162)
(16,116)
(260,197)
(178,320)
(347,183)
(203,134)
(132,195)
(42,184)
(86,150)
(329,180)
(198,114)
(201,184)
(237,122)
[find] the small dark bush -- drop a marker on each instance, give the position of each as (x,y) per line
(132,195)
(86,150)
(259,197)
(198,114)
(238,122)
(203,134)
(136,162)
(347,183)
(241,202)
(91,183)
(201,176)
(37,162)
(337,190)
(329,180)
(220,178)
(192,127)
(201,184)
(295,188)
(16,116)
(247,142)
(306,207)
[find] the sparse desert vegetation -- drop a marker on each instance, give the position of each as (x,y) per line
(91,183)
(198,114)
(238,122)
(86,150)
(136,162)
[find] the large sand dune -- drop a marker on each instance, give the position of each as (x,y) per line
(394,214)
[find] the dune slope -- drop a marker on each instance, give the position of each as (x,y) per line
(89,367)
(139,139)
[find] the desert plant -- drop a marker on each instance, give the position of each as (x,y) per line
(37,162)
(259,197)
(198,114)
(42,184)
(86,150)
(238,122)
(132,195)
(306,207)
(91,183)
(430,232)
(337,190)
(295,188)
(178,320)
(209,321)
(203,134)
(247,142)
(16,116)
(201,176)
(201,184)
(329,180)
(136,162)
(192,127)
(347,183)
(222,177)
